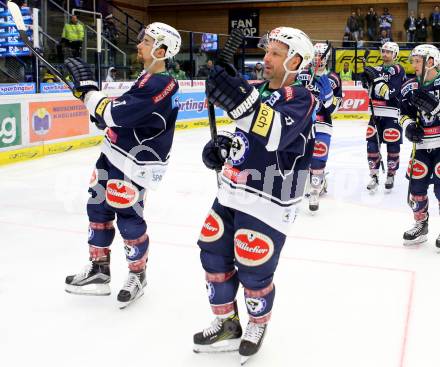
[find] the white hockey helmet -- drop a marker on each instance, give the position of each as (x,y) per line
(428,51)
(298,43)
(320,49)
(391,46)
(163,35)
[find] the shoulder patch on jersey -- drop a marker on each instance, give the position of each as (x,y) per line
(165,92)
(409,86)
(420,169)
(121,194)
(436,82)
(252,248)
(144,79)
(274,97)
(288,92)
(213,228)
(392,70)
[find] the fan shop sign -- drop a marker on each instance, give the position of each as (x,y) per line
(247,20)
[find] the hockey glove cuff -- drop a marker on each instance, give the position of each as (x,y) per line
(215,156)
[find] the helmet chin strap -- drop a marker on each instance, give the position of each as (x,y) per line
(287,72)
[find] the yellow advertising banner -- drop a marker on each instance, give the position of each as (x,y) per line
(342,56)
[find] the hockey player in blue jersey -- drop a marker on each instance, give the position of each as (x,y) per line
(139,133)
(326,87)
(263,179)
(421,120)
(385,82)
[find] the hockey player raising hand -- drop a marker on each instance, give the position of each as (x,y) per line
(265,166)
(139,133)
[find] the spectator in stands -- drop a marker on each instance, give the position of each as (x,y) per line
(111,74)
(385,21)
(176,72)
(372,24)
(257,73)
(384,38)
(353,26)
(48,77)
(410,28)
(111,33)
(73,35)
(361,21)
(346,39)
(421,28)
(205,69)
(346,74)
(434,21)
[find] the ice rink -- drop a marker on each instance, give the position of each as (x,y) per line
(348,293)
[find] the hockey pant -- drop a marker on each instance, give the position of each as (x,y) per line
(238,248)
(390,133)
(113,195)
(426,170)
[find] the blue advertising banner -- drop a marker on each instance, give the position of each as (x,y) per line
(193,105)
(19,88)
(54,88)
(10,42)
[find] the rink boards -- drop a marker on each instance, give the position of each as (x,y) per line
(36,125)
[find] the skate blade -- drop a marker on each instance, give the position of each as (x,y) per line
(89,289)
(418,241)
(229,345)
(124,305)
(244,359)
(372,191)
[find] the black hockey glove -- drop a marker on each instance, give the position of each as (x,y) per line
(414,132)
(231,92)
(425,101)
(99,125)
(214,157)
(370,76)
(83,77)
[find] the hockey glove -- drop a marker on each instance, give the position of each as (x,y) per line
(214,157)
(325,90)
(231,92)
(425,101)
(370,76)
(83,78)
(99,125)
(414,132)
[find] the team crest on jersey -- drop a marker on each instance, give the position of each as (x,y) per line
(437,170)
(256,305)
(420,169)
(239,148)
(252,248)
(391,135)
(94,179)
(132,252)
(371,131)
(213,228)
(320,150)
(210,290)
(121,194)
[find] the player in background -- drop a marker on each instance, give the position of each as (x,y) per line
(326,87)
(139,134)
(263,179)
(385,82)
(421,121)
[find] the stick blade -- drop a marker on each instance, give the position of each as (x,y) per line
(15,11)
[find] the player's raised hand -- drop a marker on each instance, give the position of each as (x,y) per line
(83,77)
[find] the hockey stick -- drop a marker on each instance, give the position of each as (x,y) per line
(373,117)
(21,27)
(413,153)
(231,46)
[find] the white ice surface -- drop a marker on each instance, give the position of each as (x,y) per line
(348,293)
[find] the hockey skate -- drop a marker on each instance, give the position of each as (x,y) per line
(437,241)
(389,183)
(94,280)
(133,289)
(417,234)
(313,200)
(222,336)
(373,184)
(251,341)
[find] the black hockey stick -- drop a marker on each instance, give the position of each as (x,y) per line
(21,27)
(373,117)
(231,46)
(413,153)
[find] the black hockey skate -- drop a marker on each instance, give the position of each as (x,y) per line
(389,183)
(132,289)
(417,234)
(94,280)
(373,184)
(437,241)
(222,336)
(251,341)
